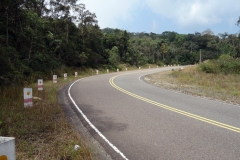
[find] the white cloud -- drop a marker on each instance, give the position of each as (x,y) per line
(185,15)
(190,13)
(109,12)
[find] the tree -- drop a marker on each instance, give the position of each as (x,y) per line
(208,32)
(114,58)
(123,45)
(238,22)
(163,50)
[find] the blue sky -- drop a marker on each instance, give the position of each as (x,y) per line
(181,16)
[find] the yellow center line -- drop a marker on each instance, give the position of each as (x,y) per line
(219,124)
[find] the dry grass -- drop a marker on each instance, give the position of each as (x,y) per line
(193,81)
(41,132)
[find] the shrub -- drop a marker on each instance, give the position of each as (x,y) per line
(225,64)
(209,67)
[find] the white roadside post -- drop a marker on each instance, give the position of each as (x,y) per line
(96,71)
(139,67)
(76,74)
(76,147)
(107,70)
(65,76)
(40,84)
(126,69)
(27,95)
(54,78)
(117,70)
(7,148)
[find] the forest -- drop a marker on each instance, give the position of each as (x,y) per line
(37,37)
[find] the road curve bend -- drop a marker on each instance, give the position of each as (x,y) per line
(137,121)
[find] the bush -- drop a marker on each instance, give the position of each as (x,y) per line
(160,63)
(209,67)
(224,64)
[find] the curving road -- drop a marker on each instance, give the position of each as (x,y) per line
(137,121)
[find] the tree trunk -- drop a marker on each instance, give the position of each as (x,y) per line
(7,27)
(32,41)
(67,33)
(153,57)
(30,50)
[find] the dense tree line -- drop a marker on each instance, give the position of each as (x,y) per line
(39,36)
(174,48)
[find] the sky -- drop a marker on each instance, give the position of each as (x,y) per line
(157,16)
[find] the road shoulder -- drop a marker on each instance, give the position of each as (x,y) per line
(74,119)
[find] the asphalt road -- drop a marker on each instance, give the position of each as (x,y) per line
(137,121)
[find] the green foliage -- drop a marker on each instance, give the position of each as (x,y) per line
(114,58)
(225,64)
(35,41)
(38,37)
(209,67)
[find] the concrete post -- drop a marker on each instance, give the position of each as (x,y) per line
(7,148)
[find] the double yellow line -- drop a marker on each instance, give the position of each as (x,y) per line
(219,124)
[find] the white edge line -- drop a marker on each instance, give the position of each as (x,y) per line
(93,127)
(140,78)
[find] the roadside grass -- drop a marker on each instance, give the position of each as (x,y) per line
(192,80)
(41,131)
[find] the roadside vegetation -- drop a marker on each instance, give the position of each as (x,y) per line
(223,65)
(41,131)
(216,79)
(37,37)
(42,38)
